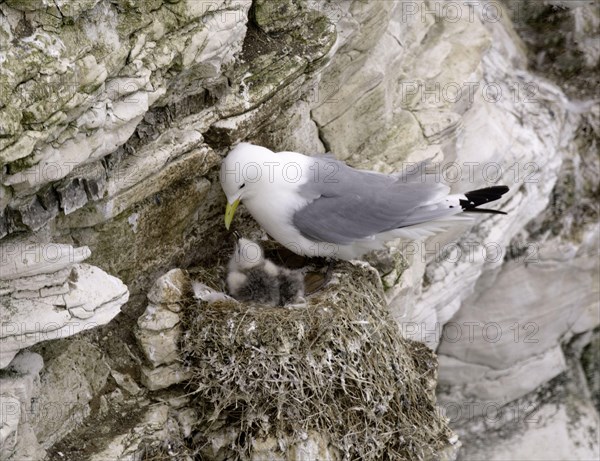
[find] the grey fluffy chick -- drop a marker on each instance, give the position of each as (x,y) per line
(251,277)
(291,286)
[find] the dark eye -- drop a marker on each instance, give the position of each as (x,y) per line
(242,186)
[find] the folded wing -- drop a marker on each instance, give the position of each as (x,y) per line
(347,204)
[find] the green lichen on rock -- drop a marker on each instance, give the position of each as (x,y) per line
(68,365)
(590,358)
(263,77)
(280,16)
(10,121)
(561,42)
(575,197)
(390,264)
(21,164)
(299,30)
(135,15)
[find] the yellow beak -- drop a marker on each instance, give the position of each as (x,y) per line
(229,212)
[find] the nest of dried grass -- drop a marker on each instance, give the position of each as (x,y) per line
(338,367)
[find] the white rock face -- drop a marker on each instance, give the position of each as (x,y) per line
(115,117)
(508,345)
(159,331)
(118,104)
(314,446)
(528,161)
(554,422)
(125,446)
(18,387)
(47,293)
(564,431)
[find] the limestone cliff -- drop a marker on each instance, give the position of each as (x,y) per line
(114,116)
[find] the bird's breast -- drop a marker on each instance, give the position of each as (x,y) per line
(274,213)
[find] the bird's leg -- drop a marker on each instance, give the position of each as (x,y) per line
(317,278)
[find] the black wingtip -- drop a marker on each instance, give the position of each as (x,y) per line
(485,210)
(481,196)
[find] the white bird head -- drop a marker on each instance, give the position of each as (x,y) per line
(256,174)
(247,255)
(247,171)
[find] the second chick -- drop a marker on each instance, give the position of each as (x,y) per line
(252,277)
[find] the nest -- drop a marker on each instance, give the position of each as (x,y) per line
(338,367)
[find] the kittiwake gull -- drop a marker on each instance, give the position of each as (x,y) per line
(319,206)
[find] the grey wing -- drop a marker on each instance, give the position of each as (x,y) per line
(349,204)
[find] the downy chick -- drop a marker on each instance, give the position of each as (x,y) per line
(251,277)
